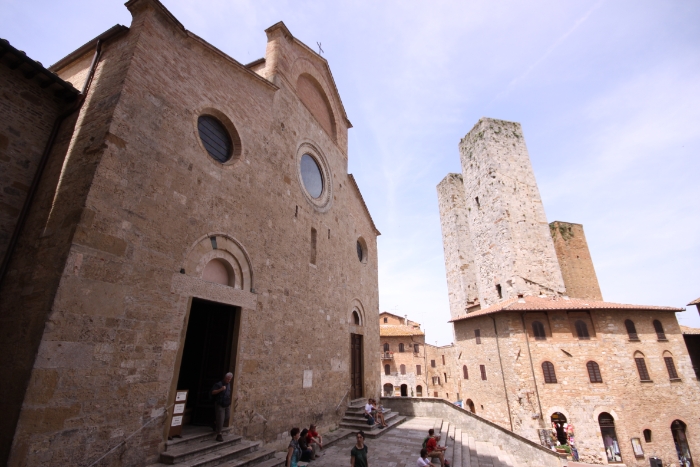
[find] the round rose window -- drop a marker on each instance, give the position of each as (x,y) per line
(311,176)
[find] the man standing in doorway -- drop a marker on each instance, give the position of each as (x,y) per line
(222,400)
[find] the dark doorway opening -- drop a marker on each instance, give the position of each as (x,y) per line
(207,356)
(470,404)
(404,390)
(356,378)
(681,442)
(558,422)
(607,431)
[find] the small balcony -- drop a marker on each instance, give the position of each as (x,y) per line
(387,355)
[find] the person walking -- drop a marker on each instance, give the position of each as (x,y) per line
(358,455)
(221,392)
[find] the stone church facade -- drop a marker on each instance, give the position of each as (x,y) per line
(537,344)
(194,216)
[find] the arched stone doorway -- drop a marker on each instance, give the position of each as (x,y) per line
(404,390)
(470,405)
(558,422)
(607,431)
(681,442)
(419,391)
(388,390)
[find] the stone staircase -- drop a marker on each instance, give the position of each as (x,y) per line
(355,421)
(464,451)
(198,448)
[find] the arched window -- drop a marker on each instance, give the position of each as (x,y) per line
(660,334)
(388,390)
(670,366)
(641,366)
(401,347)
(386,347)
(538,331)
(355,317)
(594,372)
(631,330)
(582,330)
(419,391)
(470,404)
(403,369)
(387,370)
(465,371)
(607,431)
(548,371)
(647,435)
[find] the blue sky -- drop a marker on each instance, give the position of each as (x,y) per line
(607,92)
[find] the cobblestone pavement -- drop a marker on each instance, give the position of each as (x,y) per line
(399,447)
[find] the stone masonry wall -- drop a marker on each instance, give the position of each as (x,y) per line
(409,359)
(508,227)
(575,260)
(459,257)
(109,355)
(621,393)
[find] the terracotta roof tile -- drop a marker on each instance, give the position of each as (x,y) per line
(530,303)
(390,330)
(689,330)
(695,302)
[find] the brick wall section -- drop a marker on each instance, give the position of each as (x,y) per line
(508,227)
(27,115)
(456,241)
(621,394)
(152,192)
(449,388)
(407,358)
(575,260)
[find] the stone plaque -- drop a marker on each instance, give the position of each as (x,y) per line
(308,378)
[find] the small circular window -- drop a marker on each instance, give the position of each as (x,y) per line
(215,138)
(311,176)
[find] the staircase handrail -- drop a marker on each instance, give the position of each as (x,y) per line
(341,400)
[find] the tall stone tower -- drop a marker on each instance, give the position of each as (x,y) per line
(511,245)
(575,260)
(459,257)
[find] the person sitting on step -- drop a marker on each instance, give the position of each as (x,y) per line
(434,450)
(314,439)
(378,413)
(423,459)
(293,451)
(307,452)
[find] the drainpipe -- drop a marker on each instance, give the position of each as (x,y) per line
(44,160)
(500,362)
(532,367)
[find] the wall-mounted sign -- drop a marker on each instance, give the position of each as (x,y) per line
(178,411)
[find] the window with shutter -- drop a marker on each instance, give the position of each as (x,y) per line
(671,368)
(401,348)
(538,331)
(386,347)
(642,369)
(548,370)
(631,330)
(432,363)
(403,369)
(582,330)
(387,370)
(416,348)
(483,372)
(594,372)
(215,138)
(660,334)
(418,370)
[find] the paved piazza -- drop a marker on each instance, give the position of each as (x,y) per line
(399,447)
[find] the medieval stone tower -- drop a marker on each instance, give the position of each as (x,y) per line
(496,237)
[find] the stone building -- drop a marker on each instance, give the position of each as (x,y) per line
(194,216)
(537,344)
(412,367)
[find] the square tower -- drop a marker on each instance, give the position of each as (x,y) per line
(512,247)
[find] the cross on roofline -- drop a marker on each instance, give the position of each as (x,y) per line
(320,50)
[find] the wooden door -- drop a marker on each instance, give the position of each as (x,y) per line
(356,379)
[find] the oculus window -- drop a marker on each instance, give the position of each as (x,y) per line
(311,176)
(215,138)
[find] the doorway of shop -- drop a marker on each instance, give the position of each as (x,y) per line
(607,431)
(681,442)
(558,422)
(208,354)
(404,390)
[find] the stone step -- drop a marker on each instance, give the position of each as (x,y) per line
(361,423)
(361,402)
(457,452)
(376,432)
(191,448)
(194,434)
(255,458)
(449,443)
(361,413)
(466,457)
(472,453)
(228,454)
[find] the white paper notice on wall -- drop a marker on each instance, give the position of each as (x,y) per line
(181,396)
(179,408)
(308,378)
(177,421)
